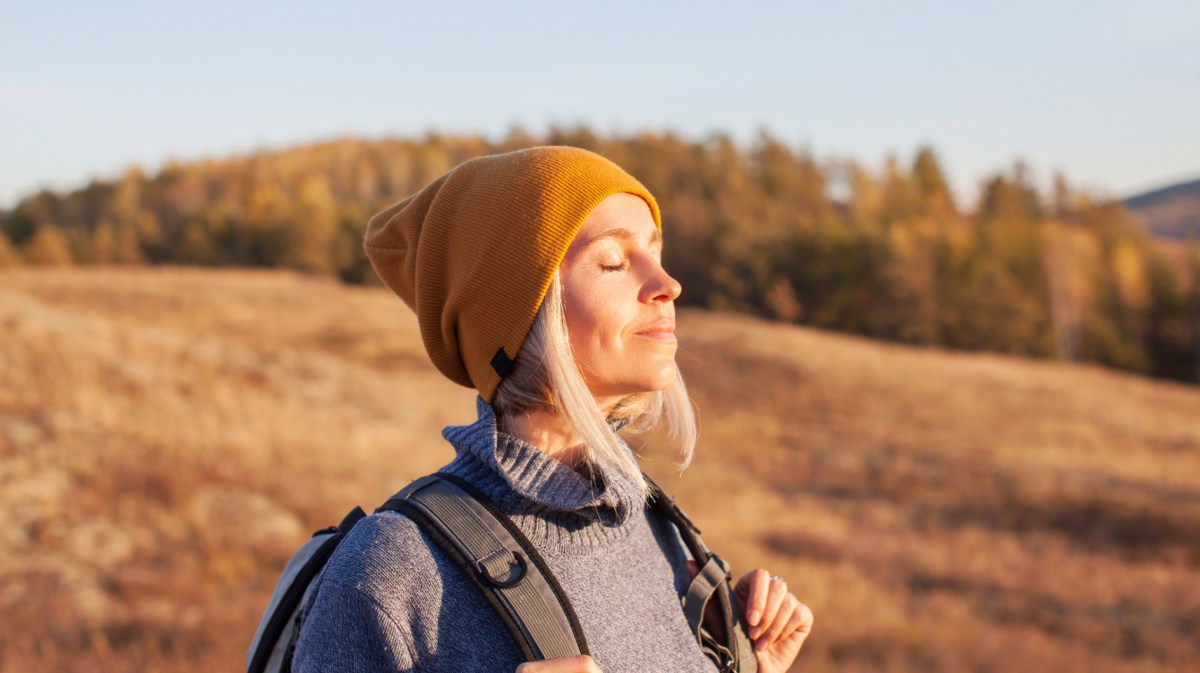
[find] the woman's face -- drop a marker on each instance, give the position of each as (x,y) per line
(619,302)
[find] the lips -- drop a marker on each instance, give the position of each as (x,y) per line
(660,328)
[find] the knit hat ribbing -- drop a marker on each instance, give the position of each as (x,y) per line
(474,252)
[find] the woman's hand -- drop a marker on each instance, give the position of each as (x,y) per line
(778,622)
(580,664)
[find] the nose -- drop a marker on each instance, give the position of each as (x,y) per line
(660,286)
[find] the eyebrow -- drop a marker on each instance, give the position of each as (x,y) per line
(624,234)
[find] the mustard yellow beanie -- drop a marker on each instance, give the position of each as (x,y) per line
(474,252)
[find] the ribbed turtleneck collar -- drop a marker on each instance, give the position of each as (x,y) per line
(523,480)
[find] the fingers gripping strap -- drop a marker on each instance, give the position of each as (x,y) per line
(731,648)
(497,557)
(737,642)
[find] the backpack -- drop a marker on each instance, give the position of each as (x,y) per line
(508,571)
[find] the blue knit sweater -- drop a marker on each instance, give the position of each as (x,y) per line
(390,600)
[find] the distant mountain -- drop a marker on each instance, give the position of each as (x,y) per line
(1171,212)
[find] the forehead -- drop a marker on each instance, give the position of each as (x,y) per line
(620,216)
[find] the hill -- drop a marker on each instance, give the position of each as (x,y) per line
(1171,212)
(168,436)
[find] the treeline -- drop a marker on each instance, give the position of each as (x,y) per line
(766,230)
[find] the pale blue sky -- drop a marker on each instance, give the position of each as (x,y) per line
(1107,92)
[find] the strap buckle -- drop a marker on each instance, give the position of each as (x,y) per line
(492,566)
(717,653)
(723,564)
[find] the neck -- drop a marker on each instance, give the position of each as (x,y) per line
(547,431)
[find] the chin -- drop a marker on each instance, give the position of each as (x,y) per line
(636,387)
(662,381)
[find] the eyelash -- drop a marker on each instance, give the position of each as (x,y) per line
(619,267)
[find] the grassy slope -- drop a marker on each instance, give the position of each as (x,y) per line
(167,437)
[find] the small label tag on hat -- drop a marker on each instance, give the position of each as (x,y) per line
(502,363)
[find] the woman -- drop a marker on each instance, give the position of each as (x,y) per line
(537,279)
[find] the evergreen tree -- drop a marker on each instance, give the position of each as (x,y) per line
(48,246)
(933,191)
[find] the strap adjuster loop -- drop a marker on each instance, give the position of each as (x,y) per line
(492,566)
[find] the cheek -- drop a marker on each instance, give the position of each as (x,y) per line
(591,324)
(583,328)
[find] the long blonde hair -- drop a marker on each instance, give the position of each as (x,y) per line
(546,376)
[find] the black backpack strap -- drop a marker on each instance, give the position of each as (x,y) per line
(731,649)
(497,557)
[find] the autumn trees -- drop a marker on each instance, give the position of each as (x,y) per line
(766,230)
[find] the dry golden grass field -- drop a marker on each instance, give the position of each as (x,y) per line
(169,436)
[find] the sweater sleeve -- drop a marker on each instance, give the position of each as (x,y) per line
(345,630)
